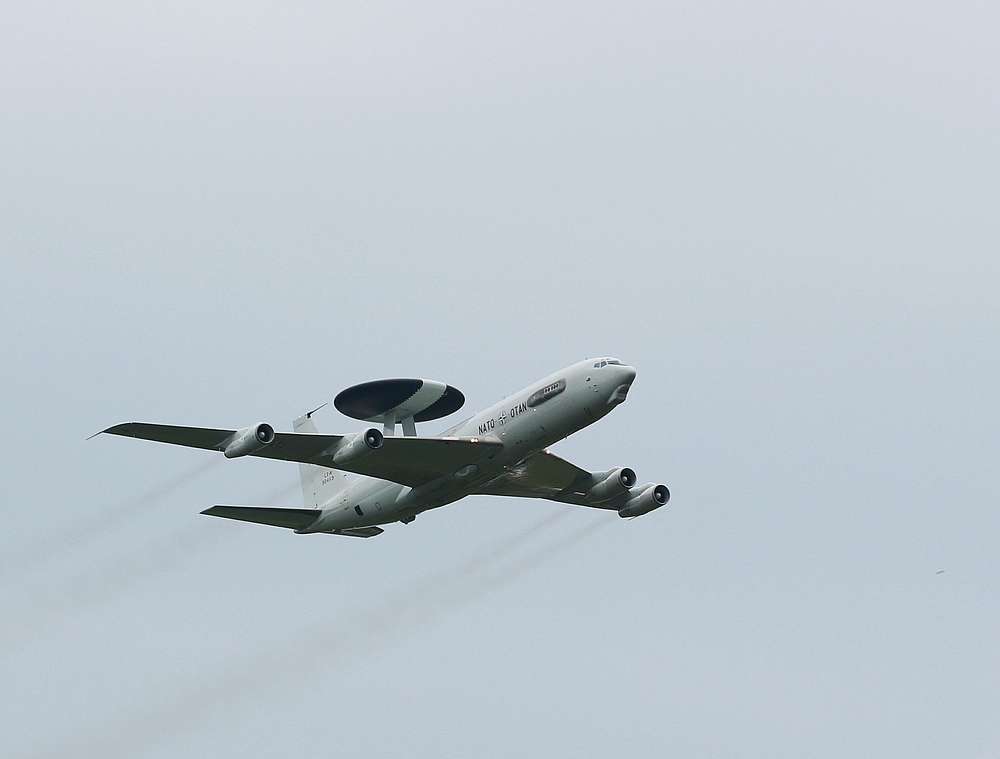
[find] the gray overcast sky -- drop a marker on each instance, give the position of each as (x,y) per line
(784,216)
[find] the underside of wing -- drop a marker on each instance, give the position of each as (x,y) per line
(411,461)
(415,461)
(303,447)
(286,446)
(208,438)
(542,475)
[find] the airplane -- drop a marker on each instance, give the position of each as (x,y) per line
(500,451)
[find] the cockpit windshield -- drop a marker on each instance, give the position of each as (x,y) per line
(608,362)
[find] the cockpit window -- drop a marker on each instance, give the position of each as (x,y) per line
(597,365)
(613,361)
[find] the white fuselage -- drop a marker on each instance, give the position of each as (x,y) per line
(528,421)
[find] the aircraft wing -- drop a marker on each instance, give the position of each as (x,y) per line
(543,475)
(287,446)
(193,437)
(409,461)
(414,461)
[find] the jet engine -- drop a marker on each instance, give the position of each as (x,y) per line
(249,439)
(651,497)
(353,448)
(617,482)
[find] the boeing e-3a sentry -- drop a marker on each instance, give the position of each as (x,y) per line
(499,451)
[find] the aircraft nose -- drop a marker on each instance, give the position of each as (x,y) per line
(624,376)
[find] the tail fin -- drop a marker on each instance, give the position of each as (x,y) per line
(319,484)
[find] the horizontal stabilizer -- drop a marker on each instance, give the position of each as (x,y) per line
(294,519)
(359,532)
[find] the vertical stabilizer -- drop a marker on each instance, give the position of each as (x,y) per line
(319,484)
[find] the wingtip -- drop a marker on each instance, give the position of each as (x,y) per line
(110,430)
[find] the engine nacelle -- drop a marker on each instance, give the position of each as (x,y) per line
(248,440)
(617,482)
(651,497)
(354,448)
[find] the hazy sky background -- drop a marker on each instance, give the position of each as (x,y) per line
(784,216)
